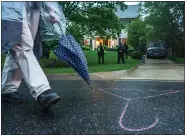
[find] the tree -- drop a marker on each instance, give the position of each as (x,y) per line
(166,21)
(90,19)
(93,18)
(137,35)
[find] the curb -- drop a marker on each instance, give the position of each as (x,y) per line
(151,79)
(69,76)
(92,76)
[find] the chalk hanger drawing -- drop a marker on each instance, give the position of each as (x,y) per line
(127,104)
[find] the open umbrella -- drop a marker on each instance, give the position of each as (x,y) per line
(70,51)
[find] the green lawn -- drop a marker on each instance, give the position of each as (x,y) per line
(92,59)
(179,60)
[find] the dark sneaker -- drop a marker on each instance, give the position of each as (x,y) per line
(47,99)
(13,97)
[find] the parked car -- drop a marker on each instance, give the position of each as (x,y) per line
(156,49)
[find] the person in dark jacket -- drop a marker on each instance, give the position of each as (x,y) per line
(126,49)
(46,53)
(121,50)
(101,52)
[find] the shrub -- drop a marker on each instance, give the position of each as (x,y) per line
(130,51)
(46,63)
(86,48)
(115,47)
(105,47)
(136,54)
(51,44)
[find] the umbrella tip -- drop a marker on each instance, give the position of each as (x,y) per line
(91,88)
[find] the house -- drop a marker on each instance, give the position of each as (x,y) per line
(126,16)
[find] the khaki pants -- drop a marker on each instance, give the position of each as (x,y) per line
(22,64)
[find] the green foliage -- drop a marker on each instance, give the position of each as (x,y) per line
(136,54)
(92,60)
(115,47)
(105,47)
(50,44)
(179,60)
(93,18)
(46,63)
(77,31)
(166,21)
(86,48)
(93,66)
(130,50)
(137,35)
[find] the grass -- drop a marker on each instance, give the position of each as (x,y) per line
(178,60)
(93,66)
(92,60)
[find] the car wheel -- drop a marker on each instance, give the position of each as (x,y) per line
(148,57)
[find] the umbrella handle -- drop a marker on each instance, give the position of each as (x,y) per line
(59,27)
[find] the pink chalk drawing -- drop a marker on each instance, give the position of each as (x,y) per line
(138,129)
(127,104)
(114,94)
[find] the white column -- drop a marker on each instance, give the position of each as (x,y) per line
(111,42)
(93,44)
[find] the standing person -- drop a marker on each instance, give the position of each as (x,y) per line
(121,50)
(46,53)
(126,49)
(101,52)
(21,62)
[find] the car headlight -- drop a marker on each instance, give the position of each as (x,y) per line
(164,51)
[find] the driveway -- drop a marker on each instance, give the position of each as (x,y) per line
(115,107)
(157,69)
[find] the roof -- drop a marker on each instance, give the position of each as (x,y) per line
(132,11)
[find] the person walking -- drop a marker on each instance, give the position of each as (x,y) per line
(21,62)
(121,49)
(101,52)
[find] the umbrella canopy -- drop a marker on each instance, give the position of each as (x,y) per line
(70,51)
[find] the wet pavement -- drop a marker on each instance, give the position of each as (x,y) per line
(156,69)
(118,107)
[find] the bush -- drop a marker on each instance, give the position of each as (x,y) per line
(86,48)
(46,63)
(115,47)
(136,55)
(130,51)
(51,44)
(105,47)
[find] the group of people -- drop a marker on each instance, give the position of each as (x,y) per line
(122,52)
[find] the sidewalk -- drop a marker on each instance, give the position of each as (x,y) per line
(171,72)
(175,73)
(157,69)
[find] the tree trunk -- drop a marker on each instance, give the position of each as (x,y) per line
(184,18)
(183,40)
(173,45)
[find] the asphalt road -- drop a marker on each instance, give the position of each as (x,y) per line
(134,107)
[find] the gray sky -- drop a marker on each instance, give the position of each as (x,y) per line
(131,3)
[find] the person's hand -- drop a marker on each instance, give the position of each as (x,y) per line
(53,19)
(52,14)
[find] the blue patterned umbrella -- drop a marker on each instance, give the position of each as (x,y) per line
(70,51)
